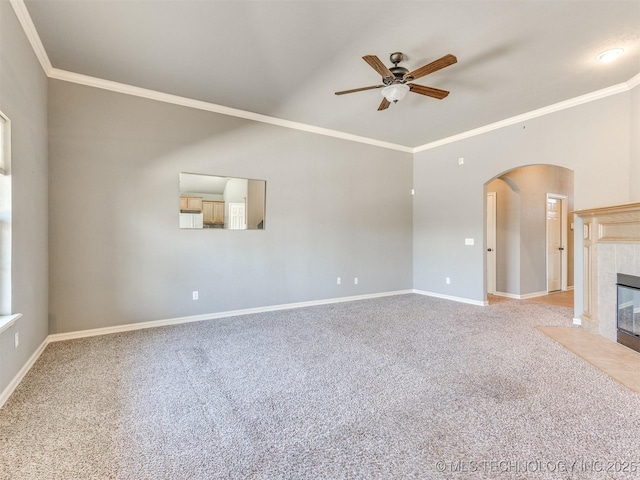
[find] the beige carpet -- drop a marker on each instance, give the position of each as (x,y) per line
(390,388)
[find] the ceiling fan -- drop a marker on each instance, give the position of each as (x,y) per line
(395,80)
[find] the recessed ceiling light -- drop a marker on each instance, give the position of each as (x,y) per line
(610,55)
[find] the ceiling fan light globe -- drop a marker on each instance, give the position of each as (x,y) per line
(395,93)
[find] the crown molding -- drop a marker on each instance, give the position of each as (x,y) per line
(30,30)
(212,107)
(36,44)
(556,107)
(634,82)
(234,112)
(32,34)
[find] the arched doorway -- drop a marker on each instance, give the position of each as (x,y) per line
(529,235)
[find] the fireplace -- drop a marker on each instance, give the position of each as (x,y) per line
(610,245)
(629,311)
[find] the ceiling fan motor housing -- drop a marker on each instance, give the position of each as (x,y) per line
(398,72)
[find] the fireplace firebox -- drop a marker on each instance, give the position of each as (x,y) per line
(629,311)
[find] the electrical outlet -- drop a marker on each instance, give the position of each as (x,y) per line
(355,281)
(339,281)
(447,280)
(195,294)
(16,340)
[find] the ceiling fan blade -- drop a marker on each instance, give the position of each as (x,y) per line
(428,91)
(343,92)
(378,66)
(384,104)
(432,67)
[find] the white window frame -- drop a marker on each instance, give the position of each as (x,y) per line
(7,317)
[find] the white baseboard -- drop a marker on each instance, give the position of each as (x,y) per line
(479,303)
(577,321)
(6,393)
(57,337)
(506,295)
(534,295)
(521,297)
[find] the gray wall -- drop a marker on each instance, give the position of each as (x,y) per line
(593,140)
(521,254)
(23,98)
(334,208)
(507,247)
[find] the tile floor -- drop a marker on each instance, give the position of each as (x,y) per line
(619,362)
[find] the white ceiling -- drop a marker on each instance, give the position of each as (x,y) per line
(286,59)
(194,182)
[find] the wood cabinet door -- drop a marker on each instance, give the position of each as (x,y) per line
(213,212)
(207,211)
(218,212)
(190,204)
(194,204)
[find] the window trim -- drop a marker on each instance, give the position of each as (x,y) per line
(7,321)
(7,317)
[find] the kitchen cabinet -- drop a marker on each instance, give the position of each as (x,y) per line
(191,220)
(191,204)
(213,212)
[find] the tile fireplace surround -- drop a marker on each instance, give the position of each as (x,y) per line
(611,246)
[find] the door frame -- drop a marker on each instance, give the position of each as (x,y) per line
(564,232)
(491,282)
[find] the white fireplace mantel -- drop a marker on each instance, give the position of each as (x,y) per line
(611,237)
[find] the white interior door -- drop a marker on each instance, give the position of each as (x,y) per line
(491,242)
(555,242)
(236,216)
